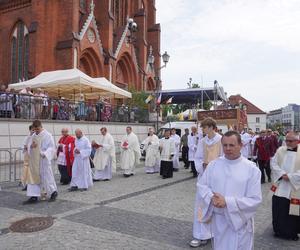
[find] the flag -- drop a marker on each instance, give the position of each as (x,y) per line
(149,98)
(158,101)
(169,101)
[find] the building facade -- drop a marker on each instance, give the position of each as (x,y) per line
(274,118)
(286,118)
(257,119)
(96,37)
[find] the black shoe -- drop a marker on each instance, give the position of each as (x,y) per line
(164,177)
(106,180)
(94,180)
(195,175)
(72,189)
(53,196)
(262,182)
(269,180)
(126,175)
(175,169)
(31,200)
(295,238)
(24,188)
(83,189)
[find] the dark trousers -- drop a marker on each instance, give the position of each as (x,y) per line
(64,176)
(284,225)
(195,174)
(166,169)
(264,166)
(185,156)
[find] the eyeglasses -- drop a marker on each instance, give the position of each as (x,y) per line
(291,140)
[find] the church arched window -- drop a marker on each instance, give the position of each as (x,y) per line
(19,53)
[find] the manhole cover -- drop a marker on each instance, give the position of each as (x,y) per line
(32,224)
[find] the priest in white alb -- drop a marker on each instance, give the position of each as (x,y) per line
(167,152)
(193,140)
(229,194)
(209,148)
(151,146)
(286,199)
(40,178)
(247,146)
(105,156)
(130,152)
(81,170)
(176,139)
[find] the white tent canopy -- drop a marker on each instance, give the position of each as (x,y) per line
(71,82)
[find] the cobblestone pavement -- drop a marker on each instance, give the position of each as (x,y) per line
(141,212)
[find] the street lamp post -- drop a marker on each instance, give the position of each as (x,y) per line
(157,72)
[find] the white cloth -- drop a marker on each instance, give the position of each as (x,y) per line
(81,170)
(285,188)
(152,161)
(47,184)
(239,182)
(105,157)
(192,144)
(246,150)
(27,141)
(61,158)
(176,139)
(105,174)
(130,153)
(202,231)
(167,148)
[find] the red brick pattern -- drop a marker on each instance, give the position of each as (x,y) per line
(52,25)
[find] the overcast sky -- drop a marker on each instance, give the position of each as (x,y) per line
(252,47)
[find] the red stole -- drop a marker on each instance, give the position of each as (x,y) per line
(68,140)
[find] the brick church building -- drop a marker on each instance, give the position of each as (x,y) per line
(102,38)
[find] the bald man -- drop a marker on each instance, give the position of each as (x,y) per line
(65,156)
(81,170)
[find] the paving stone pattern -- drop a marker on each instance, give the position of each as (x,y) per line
(141,212)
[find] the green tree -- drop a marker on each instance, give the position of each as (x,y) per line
(207,105)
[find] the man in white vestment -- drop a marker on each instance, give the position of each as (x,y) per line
(286,199)
(247,146)
(209,148)
(151,145)
(176,139)
(130,152)
(167,151)
(81,170)
(193,140)
(105,156)
(40,179)
(230,193)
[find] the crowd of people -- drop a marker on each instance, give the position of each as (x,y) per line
(228,179)
(37,104)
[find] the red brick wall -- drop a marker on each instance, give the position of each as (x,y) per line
(52,23)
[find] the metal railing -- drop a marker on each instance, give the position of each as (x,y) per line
(6,166)
(12,162)
(29,106)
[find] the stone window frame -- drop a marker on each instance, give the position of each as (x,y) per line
(19,52)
